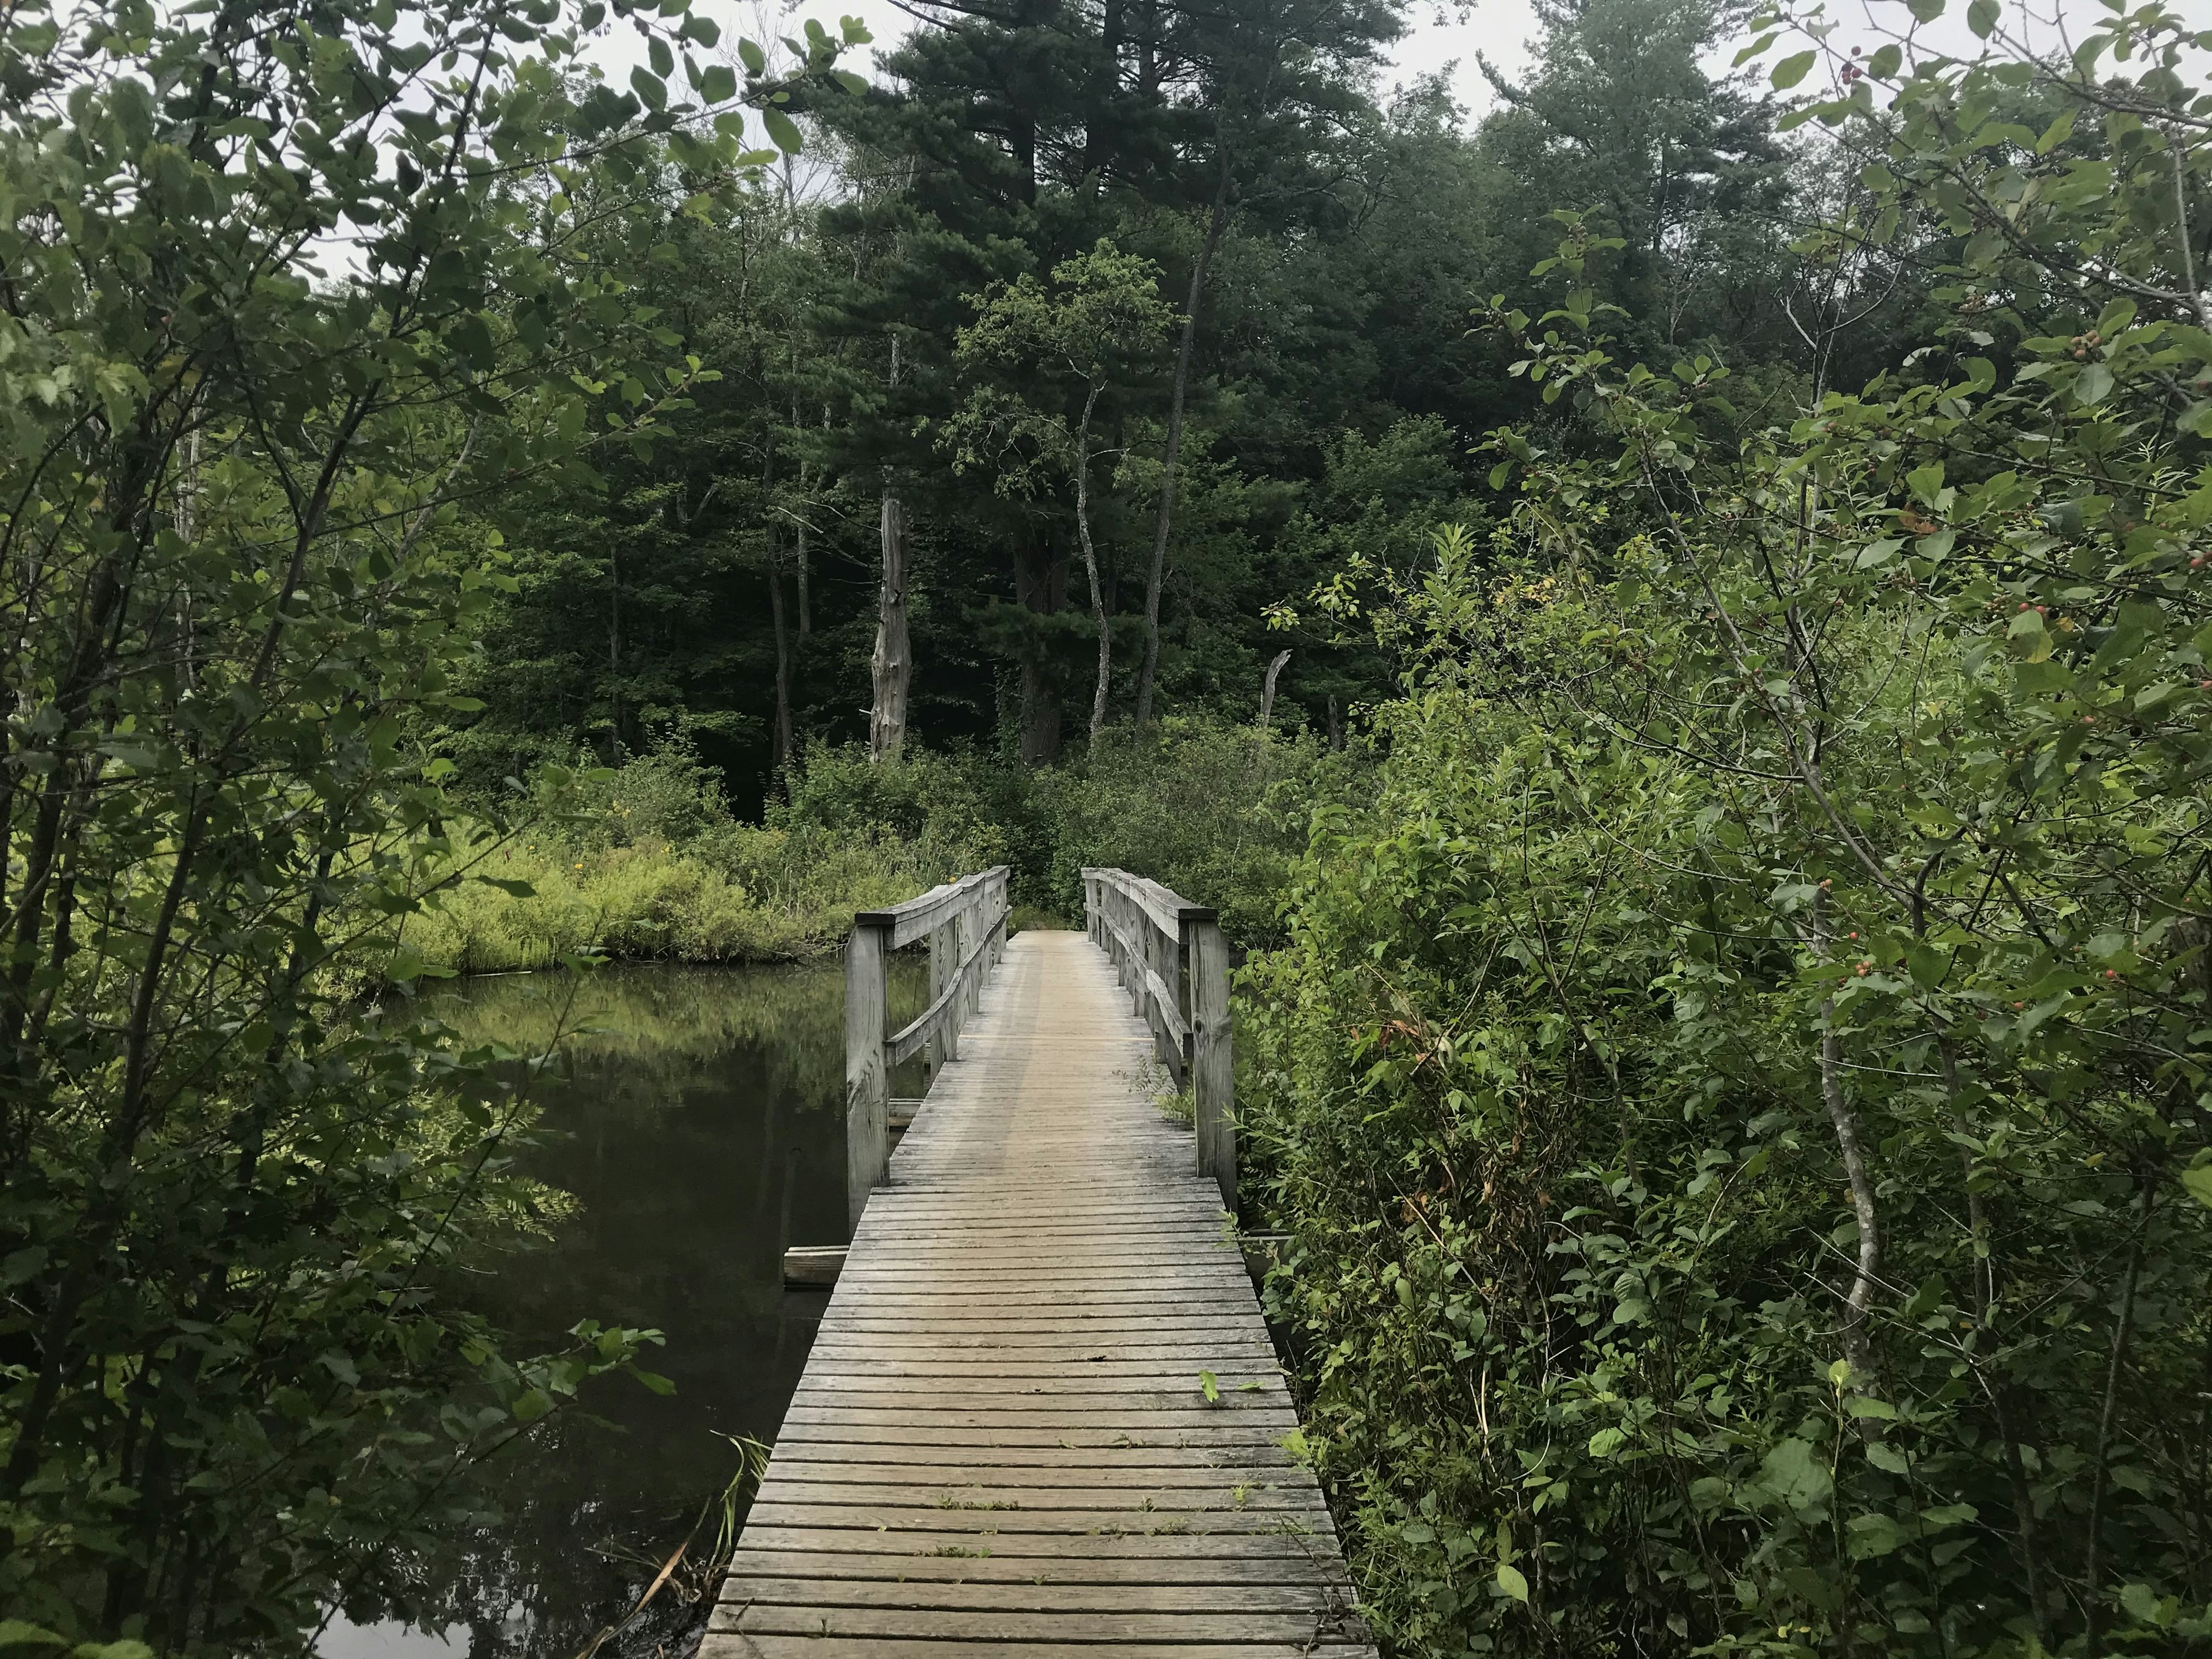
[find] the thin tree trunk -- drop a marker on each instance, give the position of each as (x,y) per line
(1091,565)
(805,511)
(780,742)
(2093,1571)
(892,663)
(1268,691)
(1845,1123)
(798,565)
(1148,674)
(1041,586)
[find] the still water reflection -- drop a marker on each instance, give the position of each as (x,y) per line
(700,1129)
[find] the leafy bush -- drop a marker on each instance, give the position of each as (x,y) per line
(1739,1095)
(1216,811)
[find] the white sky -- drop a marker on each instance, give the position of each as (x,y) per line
(1439,32)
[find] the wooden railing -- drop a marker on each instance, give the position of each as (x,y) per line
(965,923)
(1174,963)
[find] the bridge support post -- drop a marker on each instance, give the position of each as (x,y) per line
(867,1073)
(1213,1067)
(948,947)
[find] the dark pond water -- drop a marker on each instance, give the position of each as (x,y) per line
(698,1131)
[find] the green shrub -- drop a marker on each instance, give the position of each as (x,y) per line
(1218,812)
(1740,1094)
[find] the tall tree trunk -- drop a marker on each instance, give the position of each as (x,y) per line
(1218,221)
(805,523)
(1041,586)
(781,741)
(893,662)
(1090,566)
(798,565)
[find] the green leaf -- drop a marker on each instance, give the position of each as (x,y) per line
(783,130)
(2027,638)
(2198,1182)
(530,1405)
(2143,1605)
(1510,1580)
(1755,49)
(2092,385)
(17,1633)
(717,84)
(756,60)
(1792,70)
(1210,1386)
(651,90)
(1886,61)
(1793,1473)
(1982,16)
(1867,1536)
(664,61)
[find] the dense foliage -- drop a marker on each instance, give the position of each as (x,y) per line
(276,291)
(1764,1201)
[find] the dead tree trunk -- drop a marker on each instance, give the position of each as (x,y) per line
(892,663)
(1268,691)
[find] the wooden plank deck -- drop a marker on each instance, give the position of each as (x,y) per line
(1002,1443)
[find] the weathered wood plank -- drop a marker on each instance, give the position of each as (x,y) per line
(952,1544)
(748,1645)
(882,1623)
(1093,1567)
(1002,1442)
(949,1594)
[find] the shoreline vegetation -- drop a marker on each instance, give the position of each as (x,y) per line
(646,862)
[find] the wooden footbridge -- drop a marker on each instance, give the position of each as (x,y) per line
(1042,1418)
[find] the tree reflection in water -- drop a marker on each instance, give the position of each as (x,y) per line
(700,1129)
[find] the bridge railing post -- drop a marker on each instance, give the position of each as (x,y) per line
(867,1069)
(1212,1059)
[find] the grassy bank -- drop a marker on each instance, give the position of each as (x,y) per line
(751,896)
(645,862)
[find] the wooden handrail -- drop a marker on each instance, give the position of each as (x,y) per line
(949,1011)
(965,923)
(1173,961)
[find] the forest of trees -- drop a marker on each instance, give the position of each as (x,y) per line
(1674,619)
(1045,377)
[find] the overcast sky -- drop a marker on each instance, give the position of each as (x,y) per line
(1439,34)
